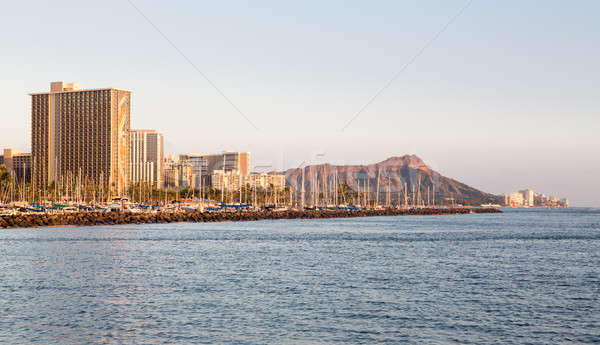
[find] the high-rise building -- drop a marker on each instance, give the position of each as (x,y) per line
(199,164)
(146,157)
(514,200)
(82,134)
(17,164)
(228,161)
(528,197)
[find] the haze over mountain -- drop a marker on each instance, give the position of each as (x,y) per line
(395,174)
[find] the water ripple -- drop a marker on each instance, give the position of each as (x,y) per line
(525,276)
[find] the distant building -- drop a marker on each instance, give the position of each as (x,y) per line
(227,170)
(514,200)
(17,164)
(528,197)
(170,175)
(222,170)
(266,181)
(170,172)
(146,157)
(550,201)
(232,180)
(201,177)
(186,175)
(540,199)
(228,180)
(228,161)
(177,173)
(81,133)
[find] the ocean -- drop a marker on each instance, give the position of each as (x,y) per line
(529,276)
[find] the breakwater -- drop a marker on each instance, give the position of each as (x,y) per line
(100,218)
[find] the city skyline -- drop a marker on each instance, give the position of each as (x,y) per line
(491,119)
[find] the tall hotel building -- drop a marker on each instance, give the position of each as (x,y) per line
(146,157)
(80,133)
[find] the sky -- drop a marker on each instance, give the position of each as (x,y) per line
(506,97)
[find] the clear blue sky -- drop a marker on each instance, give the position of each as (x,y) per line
(506,98)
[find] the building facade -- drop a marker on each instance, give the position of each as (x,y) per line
(228,161)
(17,164)
(170,176)
(513,200)
(201,177)
(528,197)
(226,180)
(146,154)
(81,133)
(178,173)
(266,181)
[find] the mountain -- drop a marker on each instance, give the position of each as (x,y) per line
(396,174)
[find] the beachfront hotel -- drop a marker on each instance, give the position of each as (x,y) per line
(80,133)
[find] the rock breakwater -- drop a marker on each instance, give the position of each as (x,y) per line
(98,218)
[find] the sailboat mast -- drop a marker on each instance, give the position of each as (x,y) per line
(302,190)
(377,189)
(389,200)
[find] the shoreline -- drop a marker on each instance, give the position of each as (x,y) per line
(117,218)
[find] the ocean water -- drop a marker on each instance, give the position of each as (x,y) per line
(524,276)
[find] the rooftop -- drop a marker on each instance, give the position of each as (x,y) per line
(62,87)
